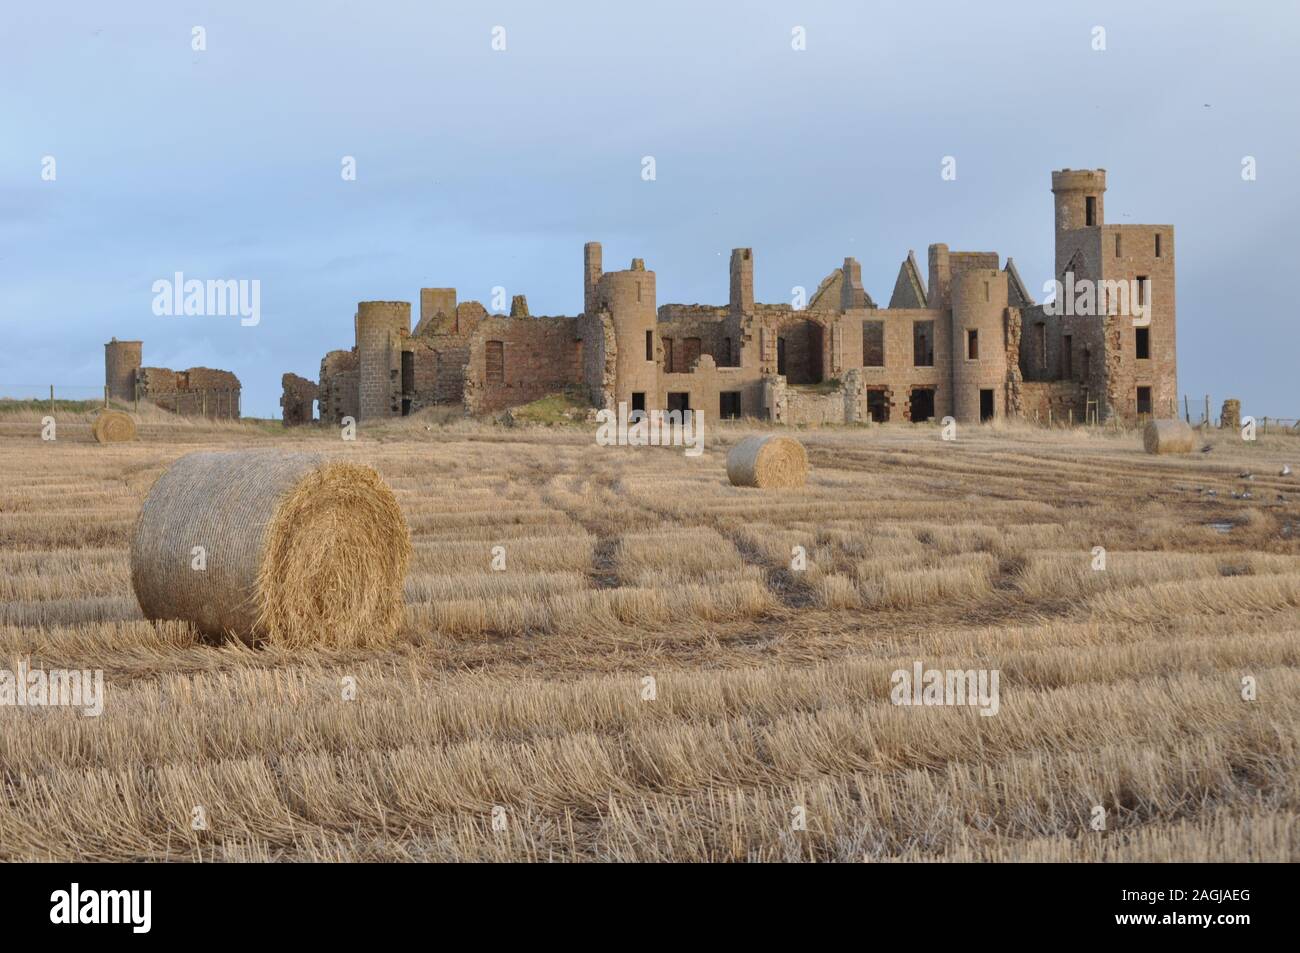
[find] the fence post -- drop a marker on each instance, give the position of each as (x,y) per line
(51,398)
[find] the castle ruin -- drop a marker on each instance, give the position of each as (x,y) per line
(965,339)
(196,392)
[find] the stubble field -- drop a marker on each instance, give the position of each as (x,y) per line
(511,719)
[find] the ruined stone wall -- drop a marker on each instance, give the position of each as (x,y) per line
(853,390)
(297,399)
(598,359)
(540,356)
(900,373)
(829,292)
(337,393)
(198,391)
(1040,343)
(1011,358)
(814,409)
(445,332)
(207,378)
(1127,253)
(715,329)
(157,381)
(1059,399)
(946,266)
(435,304)
(807,335)
(708,383)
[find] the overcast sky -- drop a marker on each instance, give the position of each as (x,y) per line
(479,168)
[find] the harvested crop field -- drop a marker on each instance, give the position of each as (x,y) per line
(649,679)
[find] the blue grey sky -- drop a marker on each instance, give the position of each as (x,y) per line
(479,168)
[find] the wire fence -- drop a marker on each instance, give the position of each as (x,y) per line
(213,402)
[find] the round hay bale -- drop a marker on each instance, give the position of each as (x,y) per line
(1168,436)
(296,550)
(770,462)
(113,426)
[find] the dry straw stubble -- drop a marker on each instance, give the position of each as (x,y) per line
(296,550)
(768,462)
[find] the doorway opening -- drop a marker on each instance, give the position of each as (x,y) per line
(878,406)
(921,406)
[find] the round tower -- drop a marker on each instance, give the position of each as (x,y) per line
(379,354)
(1080,198)
(121,360)
(629,297)
(979,352)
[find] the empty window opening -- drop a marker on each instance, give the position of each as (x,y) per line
(972,344)
(729,405)
(986,405)
(726,353)
(799,352)
(923,343)
(873,343)
(986,292)
(1142,290)
(1067,358)
(649,345)
(1144,400)
(1117,245)
(1090,211)
(921,406)
(878,406)
(1040,344)
(690,353)
(679,401)
(495,357)
(1087,363)
(1142,343)
(1157,244)
(638,406)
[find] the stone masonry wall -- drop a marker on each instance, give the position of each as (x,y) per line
(598,368)
(541,356)
(298,396)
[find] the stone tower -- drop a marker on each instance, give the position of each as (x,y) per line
(629,298)
(1130,336)
(381,326)
(121,360)
(1080,196)
(979,353)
